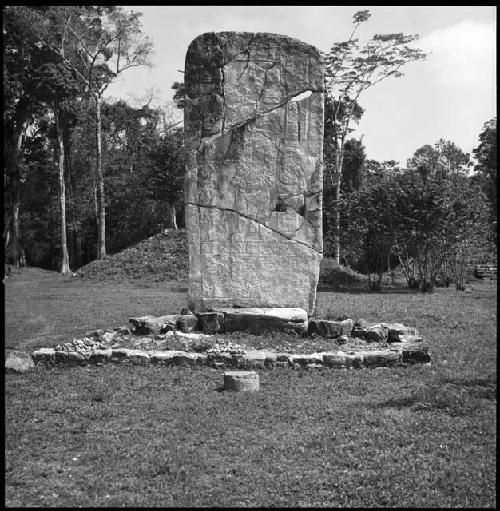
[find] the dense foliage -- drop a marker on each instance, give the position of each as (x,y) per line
(65,146)
(428,218)
(486,154)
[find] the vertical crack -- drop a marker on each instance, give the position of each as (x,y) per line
(247,51)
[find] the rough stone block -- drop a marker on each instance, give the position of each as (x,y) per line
(282,357)
(381,358)
(336,360)
(18,362)
(327,328)
(211,322)
(119,354)
(258,358)
(185,358)
(75,358)
(416,356)
(253,194)
(123,330)
(354,360)
(61,357)
(186,323)
(224,358)
(148,324)
(44,356)
(397,332)
(100,356)
(260,320)
(241,381)
(303,359)
(314,366)
(375,333)
(139,357)
(163,357)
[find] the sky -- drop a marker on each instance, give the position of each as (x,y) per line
(449,95)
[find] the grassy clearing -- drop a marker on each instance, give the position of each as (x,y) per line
(129,436)
(149,437)
(43,308)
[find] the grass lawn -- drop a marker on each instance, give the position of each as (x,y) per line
(151,436)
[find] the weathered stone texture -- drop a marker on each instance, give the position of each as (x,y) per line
(18,362)
(241,381)
(253,171)
(258,320)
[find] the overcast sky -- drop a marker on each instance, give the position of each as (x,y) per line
(449,95)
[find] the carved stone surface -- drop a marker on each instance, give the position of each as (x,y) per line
(253,193)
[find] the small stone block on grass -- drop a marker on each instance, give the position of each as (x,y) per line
(18,362)
(241,381)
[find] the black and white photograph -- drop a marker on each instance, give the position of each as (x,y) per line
(250,256)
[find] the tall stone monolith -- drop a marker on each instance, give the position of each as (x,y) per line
(253,192)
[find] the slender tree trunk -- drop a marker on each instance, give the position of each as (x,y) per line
(173,216)
(78,250)
(15,225)
(21,125)
(101,237)
(65,269)
(338,178)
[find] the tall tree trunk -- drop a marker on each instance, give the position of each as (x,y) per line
(22,115)
(15,223)
(337,223)
(173,216)
(339,160)
(65,269)
(101,237)
(78,250)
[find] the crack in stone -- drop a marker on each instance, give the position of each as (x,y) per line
(208,139)
(256,221)
(265,112)
(247,51)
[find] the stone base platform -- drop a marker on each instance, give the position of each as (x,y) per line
(402,355)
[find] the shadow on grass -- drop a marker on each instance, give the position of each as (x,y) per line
(455,396)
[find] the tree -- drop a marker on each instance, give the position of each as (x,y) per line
(443,158)
(486,168)
(426,221)
(47,80)
(168,181)
(368,224)
(19,107)
(438,216)
(180,94)
(353,177)
(108,41)
(353,169)
(351,70)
